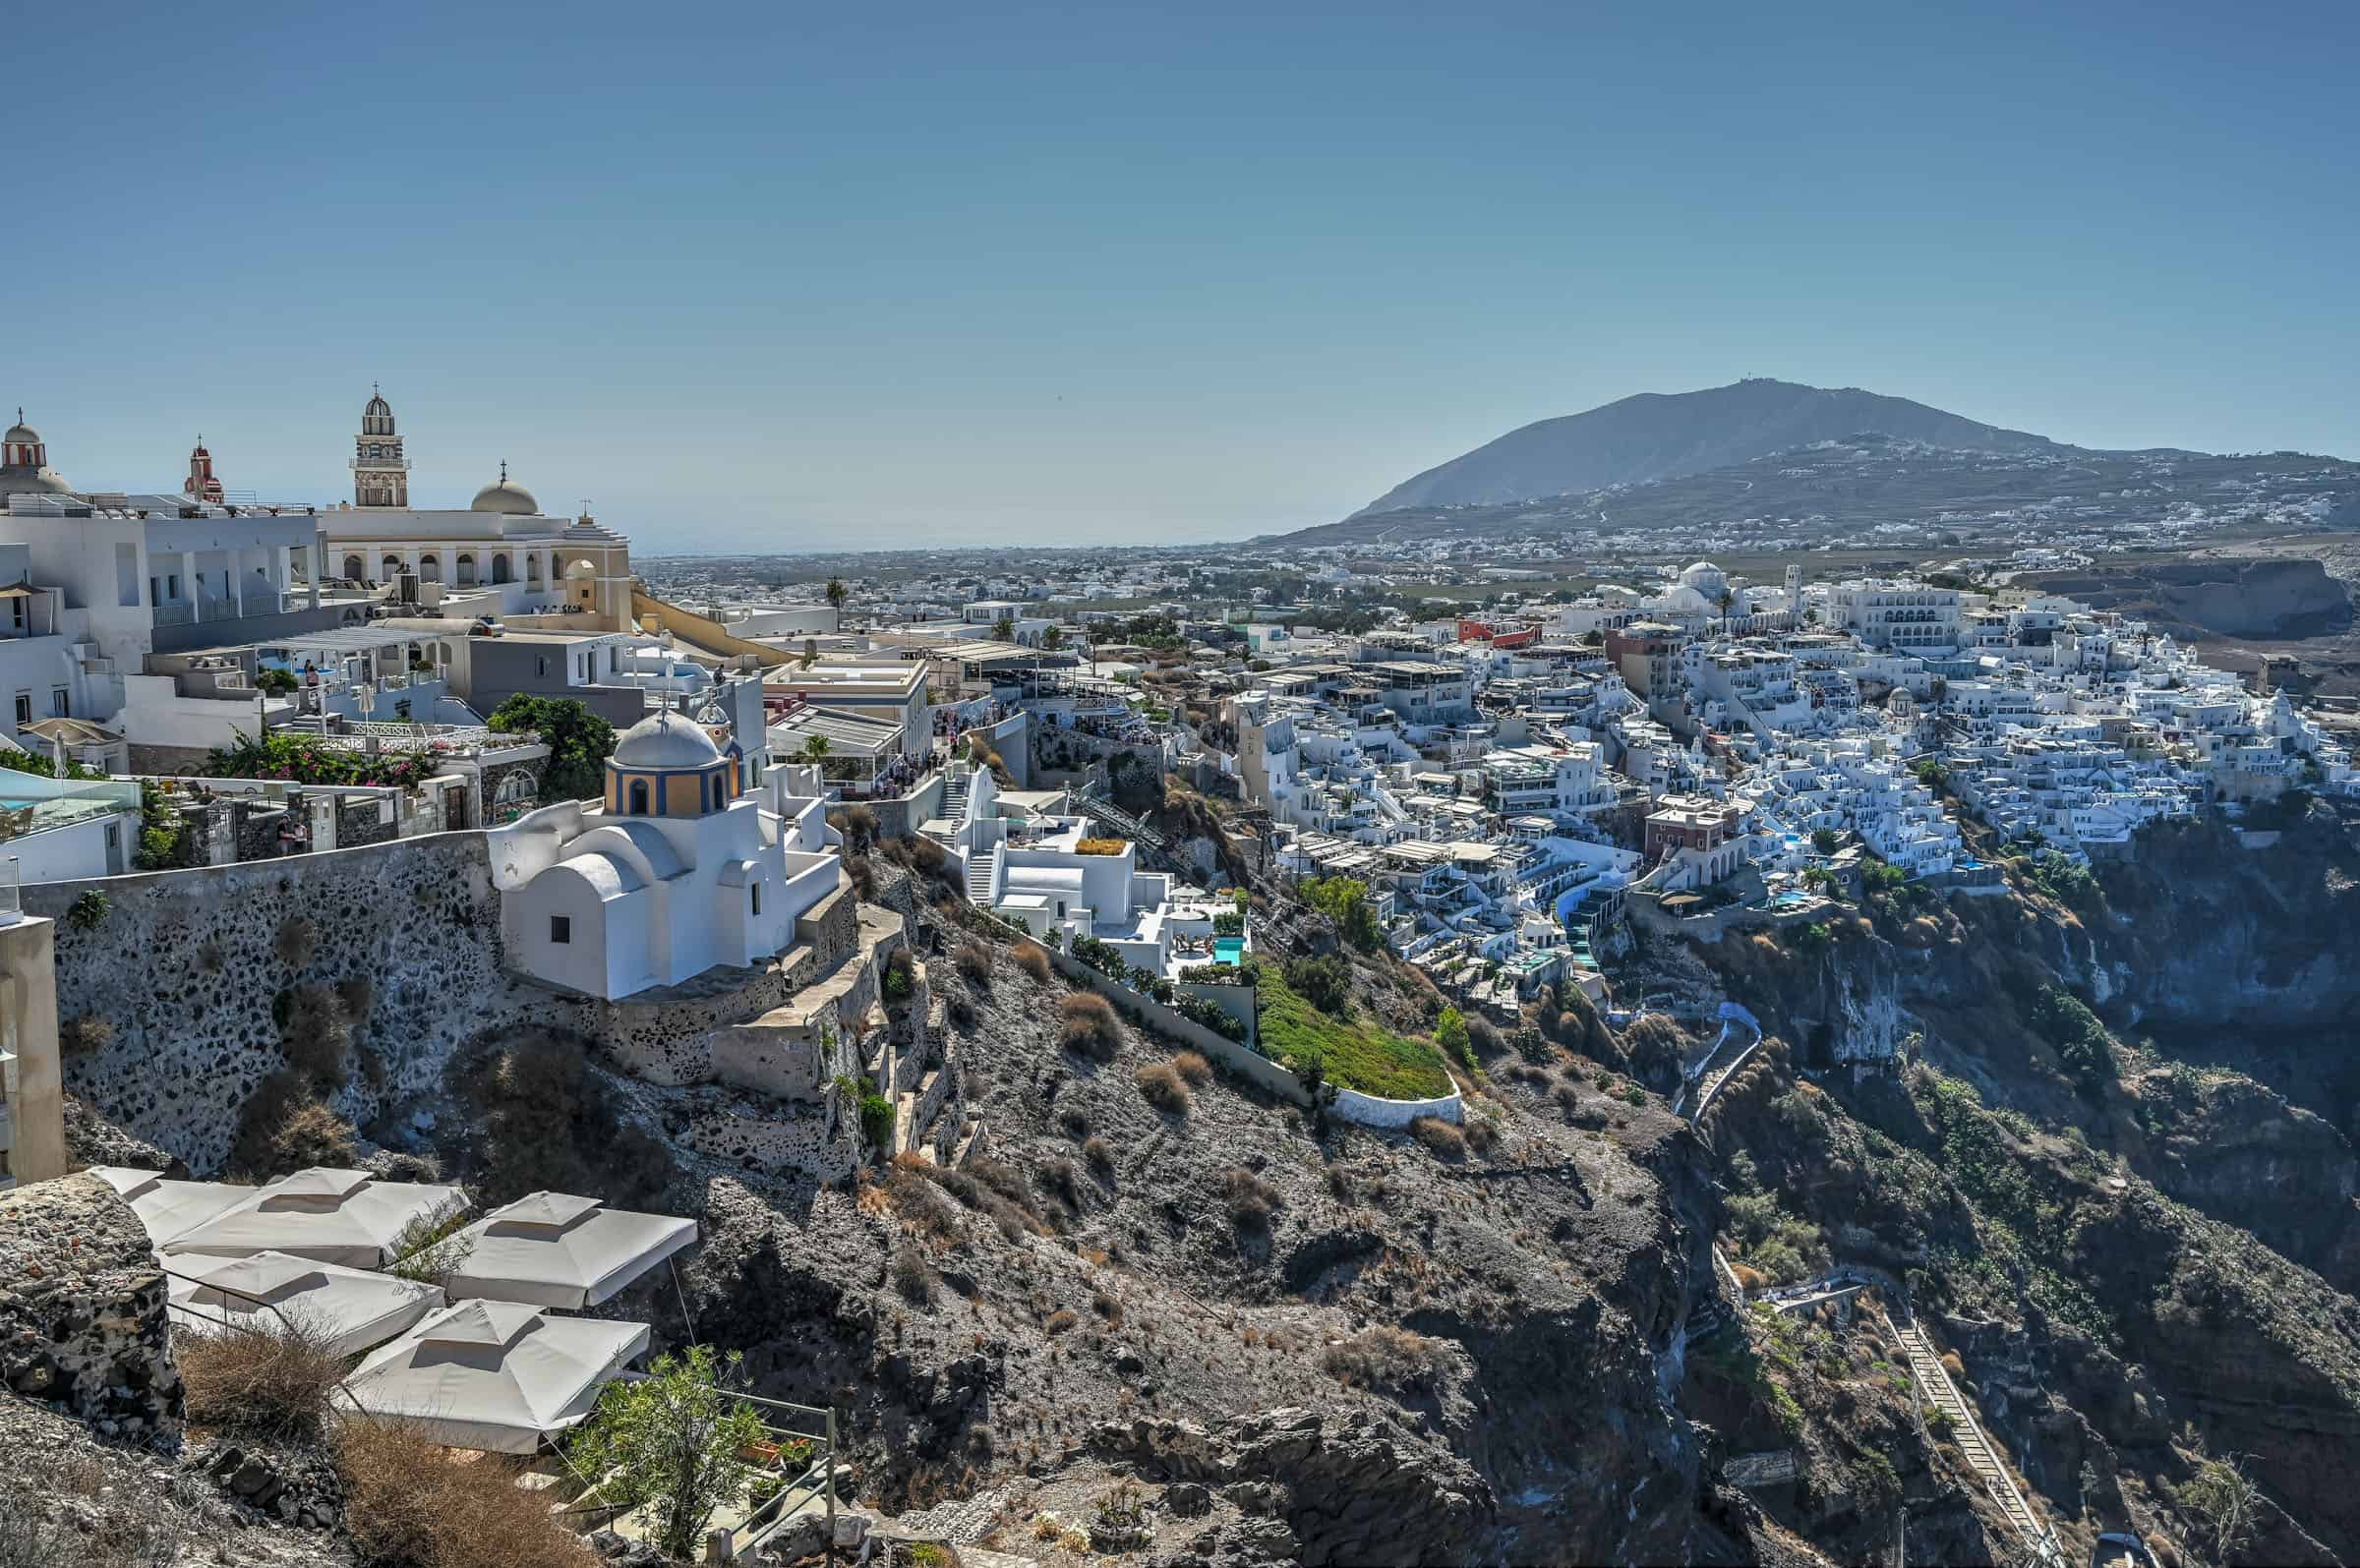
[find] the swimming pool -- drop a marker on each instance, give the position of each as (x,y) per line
(1228,950)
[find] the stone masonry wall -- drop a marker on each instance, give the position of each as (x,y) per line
(82,1311)
(187,967)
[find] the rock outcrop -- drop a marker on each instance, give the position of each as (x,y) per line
(1351,1487)
(82,1311)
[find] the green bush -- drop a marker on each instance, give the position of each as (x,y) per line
(2082,1047)
(89,912)
(1325,982)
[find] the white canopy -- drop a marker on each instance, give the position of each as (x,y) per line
(324,1213)
(496,1376)
(167,1210)
(554,1249)
(352,1308)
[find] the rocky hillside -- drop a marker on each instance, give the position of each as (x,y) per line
(1657,435)
(2113,1165)
(2108,1175)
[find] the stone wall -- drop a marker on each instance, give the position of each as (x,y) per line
(188,967)
(898,819)
(82,1311)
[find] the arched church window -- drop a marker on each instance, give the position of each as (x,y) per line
(638,798)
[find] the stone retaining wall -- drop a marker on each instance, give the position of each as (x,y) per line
(188,967)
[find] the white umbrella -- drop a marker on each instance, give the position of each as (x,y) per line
(169,1209)
(494,1376)
(324,1213)
(350,1308)
(555,1250)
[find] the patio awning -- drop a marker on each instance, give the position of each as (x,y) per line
(169,1209)
(555,1250)
(325,1213)
(494,1376)
(350,1308)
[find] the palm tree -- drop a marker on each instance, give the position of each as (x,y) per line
(1728,597)
(1054,639)
(815,749)
(835,594)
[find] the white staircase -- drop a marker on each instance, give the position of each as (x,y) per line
(1925,1365)
(979,877)
(954,799)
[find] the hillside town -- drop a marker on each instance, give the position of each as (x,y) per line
(753,838)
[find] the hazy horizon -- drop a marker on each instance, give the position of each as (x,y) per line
(756,279)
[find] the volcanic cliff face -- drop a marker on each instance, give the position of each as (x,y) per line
(2112,1160)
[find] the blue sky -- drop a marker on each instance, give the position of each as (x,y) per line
(786,277)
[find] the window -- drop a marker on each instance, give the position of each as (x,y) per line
(561,929)
(754,893)
(23,708)
(59,701)
(638,798)
(541,666)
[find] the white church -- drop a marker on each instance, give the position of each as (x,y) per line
(676,872)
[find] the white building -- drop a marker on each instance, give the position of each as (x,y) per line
(500,556)
(1910,617)
(676,871)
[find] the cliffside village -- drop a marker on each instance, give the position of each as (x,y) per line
(1509,792)
(240,731)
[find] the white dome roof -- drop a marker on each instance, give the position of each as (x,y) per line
(664,740)
(505,496)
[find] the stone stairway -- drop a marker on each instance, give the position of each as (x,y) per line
(979,880)
(1925,1365)
(953,800)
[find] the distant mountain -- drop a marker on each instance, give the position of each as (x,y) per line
(1846,488)
(1659,435)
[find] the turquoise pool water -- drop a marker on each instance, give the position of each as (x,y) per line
(1228,950)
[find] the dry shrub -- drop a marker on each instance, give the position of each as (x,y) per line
(311,1135)
(408,1505)
(928,856)
(1387,1358)
(1059,1321)
(1090,1029)
(911,1277)
(986,1186)
(864,877)
(1952,1365)
(1075,1121)
(1057,1179)
(295,941)
(1099,1153)
(273,1382)
(1107,1308)
(1339,1184)
(1483,1035)
(316,1035)
(973,963)
(1165,1088)
(356,992)
(1032,959)
(1749,1278)
(82,1035)
(1483,1134)
(1193,1067)
(1248,1199)
(551,1124)
(919,1201)
(960,1008)
(1445,1139)
(283,1129)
